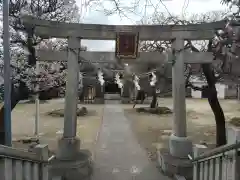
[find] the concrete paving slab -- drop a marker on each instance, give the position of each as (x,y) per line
(118,155)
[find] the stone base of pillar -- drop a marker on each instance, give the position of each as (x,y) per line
(68,148)
(99,100)
(180,146)
(78,168)
(171,165)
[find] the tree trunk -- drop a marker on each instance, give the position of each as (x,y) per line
(154,98)
(215,105)
(213,100)
(16,96)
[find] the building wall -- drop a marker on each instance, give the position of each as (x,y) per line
(231,92)
(221,89)
(197,94)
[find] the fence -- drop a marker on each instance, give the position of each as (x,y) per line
(88,100)
(16,164)
(217,164)
(89,95)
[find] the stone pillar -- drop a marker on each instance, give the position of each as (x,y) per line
(179,144)
(69,145)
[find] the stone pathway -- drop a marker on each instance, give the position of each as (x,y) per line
(118,155)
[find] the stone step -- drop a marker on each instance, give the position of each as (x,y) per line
(112,96)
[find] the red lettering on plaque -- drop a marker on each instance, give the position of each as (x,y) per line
(127,45)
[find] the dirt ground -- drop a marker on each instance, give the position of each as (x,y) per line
(153,131)
(51,128)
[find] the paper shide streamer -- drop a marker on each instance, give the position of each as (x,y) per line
(153,79)
(100,78)
(118,81)
(136,82)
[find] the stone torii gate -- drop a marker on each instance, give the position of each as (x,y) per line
(179,144)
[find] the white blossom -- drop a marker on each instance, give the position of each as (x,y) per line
(100,78)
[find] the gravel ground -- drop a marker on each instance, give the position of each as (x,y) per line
(51,128)
(153,131)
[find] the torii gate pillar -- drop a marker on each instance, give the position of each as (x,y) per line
(175,159)
(180,146)
(69,145)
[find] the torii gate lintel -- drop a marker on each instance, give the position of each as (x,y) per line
(144,57)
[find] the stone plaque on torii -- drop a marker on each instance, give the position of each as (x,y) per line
(126,45)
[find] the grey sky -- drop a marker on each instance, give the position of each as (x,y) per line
(177,7)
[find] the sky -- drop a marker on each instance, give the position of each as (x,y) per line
(174,7)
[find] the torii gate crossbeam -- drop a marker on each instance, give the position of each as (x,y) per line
(144,57)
